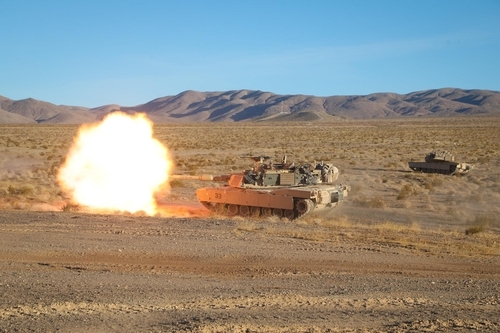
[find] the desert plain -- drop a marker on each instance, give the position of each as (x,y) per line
(405,252)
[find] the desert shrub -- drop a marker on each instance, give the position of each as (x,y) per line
(23,190)
(246,226)
(451,211)
(397,227)
(12,190)
(310,219)
(176,183)
(474,229)
(405,192)
(69,207)
(375,202)
(11,142)
(484,159)
(479,224)
(430,183)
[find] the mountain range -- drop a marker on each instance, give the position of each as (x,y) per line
(256,105)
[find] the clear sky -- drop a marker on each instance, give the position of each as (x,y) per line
(128,52)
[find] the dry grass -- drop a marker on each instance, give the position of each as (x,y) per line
(375,202)
(410,237)
(406,191)
(69,207)
(480,224)
(246,225)
(176,183)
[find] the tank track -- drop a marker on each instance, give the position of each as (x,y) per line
(302,207)
(427,170)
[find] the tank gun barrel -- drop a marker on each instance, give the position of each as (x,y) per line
(204,177)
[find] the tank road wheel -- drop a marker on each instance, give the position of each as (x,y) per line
(213,207)
(278,212)
(219,208)
(255,211)
(267,211)
(232,210)
(289,214)
(244,210)
(304,206)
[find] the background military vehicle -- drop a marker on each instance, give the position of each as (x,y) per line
(441,162)
(283,189)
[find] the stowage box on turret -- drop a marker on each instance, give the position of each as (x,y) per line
(441,162)
(283,189)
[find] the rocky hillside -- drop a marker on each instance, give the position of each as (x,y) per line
(255,105)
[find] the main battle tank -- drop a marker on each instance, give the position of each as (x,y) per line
(441,162)
(283,189)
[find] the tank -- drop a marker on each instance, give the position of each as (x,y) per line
(282,189)
(441,162)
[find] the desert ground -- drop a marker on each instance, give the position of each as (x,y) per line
(405,252)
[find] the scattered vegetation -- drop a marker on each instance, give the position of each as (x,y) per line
(69,207)
(433,182)
(480,224)
(406,236)
(246,225)
(406,191)
(22,190)
(375,202)
(176,183)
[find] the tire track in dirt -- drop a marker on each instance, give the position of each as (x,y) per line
(231,266)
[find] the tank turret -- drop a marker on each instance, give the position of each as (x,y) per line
(283,189)
(442,162)
(439,156)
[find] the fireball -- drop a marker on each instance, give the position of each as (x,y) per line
(116,165)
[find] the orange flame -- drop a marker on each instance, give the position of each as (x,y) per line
(116,165)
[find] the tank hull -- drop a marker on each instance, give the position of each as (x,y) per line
(288,202)
(445,168)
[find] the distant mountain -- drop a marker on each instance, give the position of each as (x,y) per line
(255,105)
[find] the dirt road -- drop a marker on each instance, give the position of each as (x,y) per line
(117,273)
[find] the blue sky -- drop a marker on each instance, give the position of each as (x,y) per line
(128,52)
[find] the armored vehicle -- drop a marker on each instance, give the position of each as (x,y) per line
(441,162)
(283,189)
